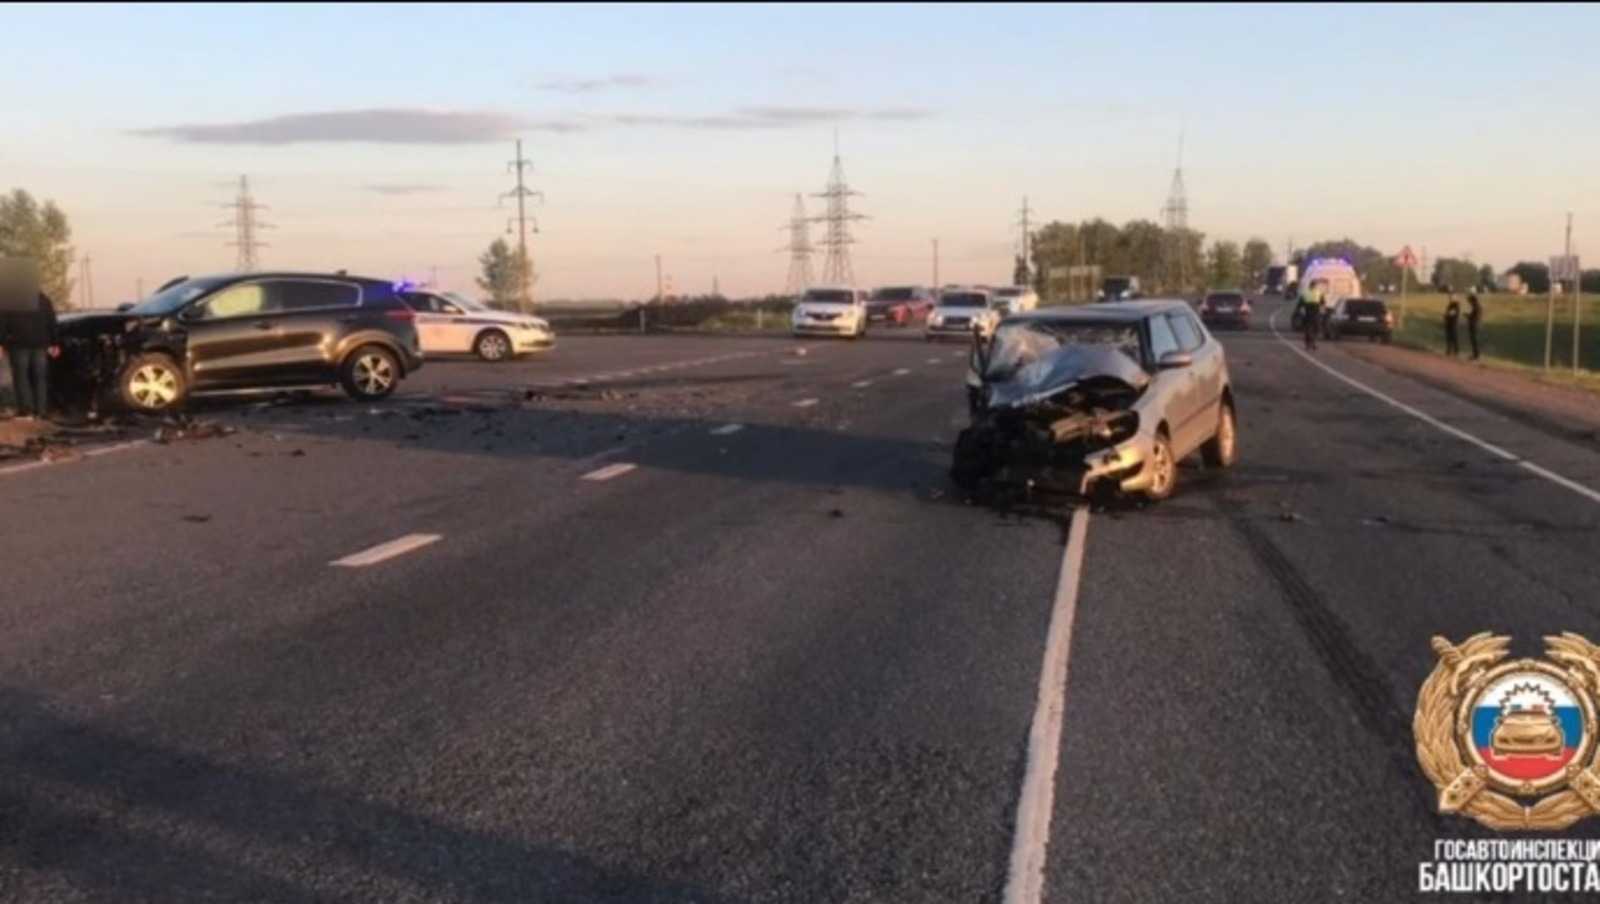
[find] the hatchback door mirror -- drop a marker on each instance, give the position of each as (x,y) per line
(1175,360)
(192,313)
(125,306)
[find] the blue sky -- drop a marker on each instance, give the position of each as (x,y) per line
(687,130)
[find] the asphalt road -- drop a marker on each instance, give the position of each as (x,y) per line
(777,659)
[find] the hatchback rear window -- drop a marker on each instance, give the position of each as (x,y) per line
(1366,308)
(896,294)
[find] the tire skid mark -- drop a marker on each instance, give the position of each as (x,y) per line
(1352,669)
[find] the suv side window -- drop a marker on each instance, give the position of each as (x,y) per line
(1184,329)
(239,300)
(1161,339)
(300,295)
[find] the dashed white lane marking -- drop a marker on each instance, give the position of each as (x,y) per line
(902,371)
(726,429)
(383,551)
(609,471)
(935,360)
(958,354)
(1025,877)
(861,384)
(805,403)
(1458,433)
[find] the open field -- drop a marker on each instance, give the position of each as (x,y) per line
(1512,330)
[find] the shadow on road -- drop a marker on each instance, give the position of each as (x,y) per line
(127,819)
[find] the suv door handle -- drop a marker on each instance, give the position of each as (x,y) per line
(348,318)
(263,324)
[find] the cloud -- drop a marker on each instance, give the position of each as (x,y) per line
(402,188)
(589,85)
(381,126)
(770,117)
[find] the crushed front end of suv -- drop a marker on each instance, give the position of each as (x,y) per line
(1106,399)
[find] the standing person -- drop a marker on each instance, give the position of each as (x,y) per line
(30,338)
(1452,315)
(1311,303)
(1474,314)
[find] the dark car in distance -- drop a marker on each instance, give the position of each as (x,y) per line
(1225,309)
(899,305)
(1368,317)
(241,331)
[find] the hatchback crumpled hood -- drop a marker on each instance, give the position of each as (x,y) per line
(1063,368)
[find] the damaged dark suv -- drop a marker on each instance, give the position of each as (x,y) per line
(241,331)
(1103,398)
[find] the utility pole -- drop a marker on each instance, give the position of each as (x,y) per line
(245,226)
(86,278)
(522,193)
(935,286)
(1577,293)
(660,293)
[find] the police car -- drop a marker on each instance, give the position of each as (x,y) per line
(449,323)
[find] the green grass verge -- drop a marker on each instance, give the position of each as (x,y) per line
(1512,332)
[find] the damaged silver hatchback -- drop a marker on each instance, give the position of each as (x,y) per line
(1096,400)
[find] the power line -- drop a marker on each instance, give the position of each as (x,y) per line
(245,225)
(522,193)
(836,239)
(800,250)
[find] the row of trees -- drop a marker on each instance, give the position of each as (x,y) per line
(40,233)
(1164,260)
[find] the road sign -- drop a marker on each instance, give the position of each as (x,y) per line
(1406,258)
(1564,267)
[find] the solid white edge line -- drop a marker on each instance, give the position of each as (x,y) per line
(86,453)
(726,429)
(1025,876)
(806,403)
(609,471)
(396,547)
(1458,433)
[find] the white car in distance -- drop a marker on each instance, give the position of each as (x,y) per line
(830,311)
(450,323)
(1010,300)
(961,313)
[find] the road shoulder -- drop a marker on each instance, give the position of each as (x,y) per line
(1563,412)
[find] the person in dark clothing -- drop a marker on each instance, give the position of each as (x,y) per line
(1474,314)
(30,343)
(1452,315)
